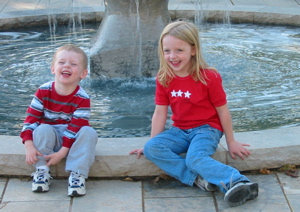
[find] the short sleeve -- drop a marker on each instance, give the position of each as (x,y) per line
(216,91)
(161,97)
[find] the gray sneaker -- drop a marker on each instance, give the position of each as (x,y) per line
(240,193)
(204,185)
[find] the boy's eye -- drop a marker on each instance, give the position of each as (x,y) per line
(73,64)
(60,62)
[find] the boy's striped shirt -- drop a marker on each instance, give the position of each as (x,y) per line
(48,107)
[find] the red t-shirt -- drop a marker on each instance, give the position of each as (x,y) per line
(193,103)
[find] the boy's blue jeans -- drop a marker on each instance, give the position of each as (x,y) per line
(200,144)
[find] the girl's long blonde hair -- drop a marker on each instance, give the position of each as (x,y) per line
(187,32)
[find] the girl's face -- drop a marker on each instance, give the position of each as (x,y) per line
(178,54)
(68,68)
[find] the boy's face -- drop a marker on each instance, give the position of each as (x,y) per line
(68,68)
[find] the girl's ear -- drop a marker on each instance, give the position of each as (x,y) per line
(193,51)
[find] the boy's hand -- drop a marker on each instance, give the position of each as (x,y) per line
(53,159)
(138,152)
(237,148)
(31,153)
(56,157)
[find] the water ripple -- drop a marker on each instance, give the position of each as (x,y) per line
(259,66)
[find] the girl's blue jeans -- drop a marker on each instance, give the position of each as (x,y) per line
(199,144)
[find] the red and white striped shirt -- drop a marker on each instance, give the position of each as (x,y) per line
(48,107)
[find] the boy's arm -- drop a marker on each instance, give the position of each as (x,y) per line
(31,152)
(56,157)
(34,114)
(234,147)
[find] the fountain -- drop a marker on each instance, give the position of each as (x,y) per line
(258,63)
(125,45)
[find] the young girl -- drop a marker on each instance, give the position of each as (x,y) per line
(200,117)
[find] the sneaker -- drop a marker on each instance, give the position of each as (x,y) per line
(204,185)
(240,193)
(41,180)
(76,185)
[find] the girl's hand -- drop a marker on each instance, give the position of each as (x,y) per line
(138,152)
(31,153)
(237,148)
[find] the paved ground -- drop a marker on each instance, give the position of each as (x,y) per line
(278,192)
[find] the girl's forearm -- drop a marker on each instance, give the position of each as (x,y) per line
(226,122)
(158,125)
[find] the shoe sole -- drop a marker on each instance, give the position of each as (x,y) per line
(241,193)
(76,194)
(39,189)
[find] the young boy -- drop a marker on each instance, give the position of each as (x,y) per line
(57,124)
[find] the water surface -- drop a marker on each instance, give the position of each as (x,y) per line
(259,65)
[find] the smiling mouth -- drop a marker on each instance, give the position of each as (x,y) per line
(175,63)
(66,73)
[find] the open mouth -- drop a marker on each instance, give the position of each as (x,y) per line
(66,73)
(175,63)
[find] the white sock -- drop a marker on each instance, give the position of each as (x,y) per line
(44,167)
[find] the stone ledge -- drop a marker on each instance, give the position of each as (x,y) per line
(237,14)
(270,149)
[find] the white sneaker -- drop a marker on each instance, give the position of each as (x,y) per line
(76,185)
(41,180)
(204,185)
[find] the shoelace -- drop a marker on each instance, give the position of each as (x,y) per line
(75,178)
(41,174)
(230,184)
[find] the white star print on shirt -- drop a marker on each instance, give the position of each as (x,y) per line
(179,93)
(174,93)
(187,94)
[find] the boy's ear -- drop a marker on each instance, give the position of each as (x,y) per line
(52,70)
(84,74)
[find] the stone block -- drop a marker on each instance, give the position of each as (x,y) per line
(269,149)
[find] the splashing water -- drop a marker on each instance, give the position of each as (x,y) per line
(259,65)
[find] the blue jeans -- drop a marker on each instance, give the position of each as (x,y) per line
(199,144)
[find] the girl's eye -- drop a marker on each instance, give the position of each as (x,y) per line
(60,63)
(166,51)
(73,64)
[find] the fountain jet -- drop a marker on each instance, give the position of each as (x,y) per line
(125,45)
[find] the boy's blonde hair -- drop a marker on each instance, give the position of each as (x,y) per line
(187,32)
(72,48)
